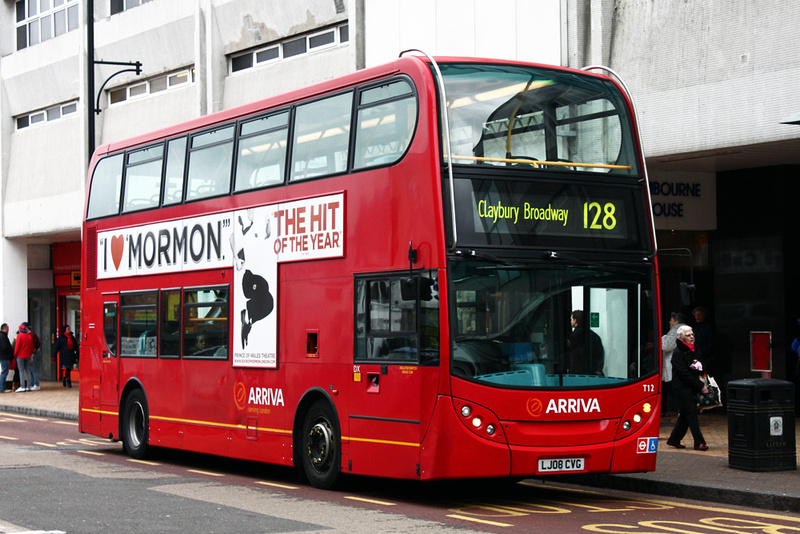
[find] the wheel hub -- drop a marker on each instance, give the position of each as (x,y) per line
(319,444)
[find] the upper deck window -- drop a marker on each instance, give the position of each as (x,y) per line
(210,159)
(387,116)
(143,178)
(537,118)
(262,152)
(321,137)
(106,186)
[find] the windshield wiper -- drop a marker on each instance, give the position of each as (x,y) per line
(474,254)
(555,255)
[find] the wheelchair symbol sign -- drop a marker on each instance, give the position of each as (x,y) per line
(646,445)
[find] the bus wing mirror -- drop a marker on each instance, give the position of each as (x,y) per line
(687,291)
(412,286)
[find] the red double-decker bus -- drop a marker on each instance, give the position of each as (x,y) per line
(435,268)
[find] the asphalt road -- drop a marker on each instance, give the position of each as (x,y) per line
(54,479)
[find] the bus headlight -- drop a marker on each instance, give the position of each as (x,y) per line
(626,425)
(637,418)
(480,421)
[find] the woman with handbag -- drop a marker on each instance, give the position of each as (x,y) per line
(686,384)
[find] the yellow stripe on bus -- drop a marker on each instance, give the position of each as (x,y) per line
(258,429)
(197,422)
(381,441)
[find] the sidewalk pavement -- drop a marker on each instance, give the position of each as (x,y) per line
(684,473)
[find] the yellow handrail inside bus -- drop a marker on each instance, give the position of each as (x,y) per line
(537,163)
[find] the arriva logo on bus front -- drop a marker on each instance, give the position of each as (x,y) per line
(534,406)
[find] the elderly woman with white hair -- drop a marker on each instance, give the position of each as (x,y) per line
(686,384)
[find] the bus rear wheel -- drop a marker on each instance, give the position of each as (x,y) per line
(321,446)
(135,425)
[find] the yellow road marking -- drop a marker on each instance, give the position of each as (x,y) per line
(678,504)
(44,444)
(206,473)
(71,423)
(284,486)
(9,438)
(92,453)
(724,510)
(484,521)
(373,501)
(143,462)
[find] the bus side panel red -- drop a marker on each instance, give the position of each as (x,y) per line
(90,418)
(391,455)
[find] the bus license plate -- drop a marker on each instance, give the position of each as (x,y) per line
(556,465)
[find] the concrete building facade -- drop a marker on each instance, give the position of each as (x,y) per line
(714,82)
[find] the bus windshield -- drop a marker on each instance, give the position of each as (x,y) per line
(537,118)
(561,326)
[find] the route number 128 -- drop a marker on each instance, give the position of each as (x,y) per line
(599,217)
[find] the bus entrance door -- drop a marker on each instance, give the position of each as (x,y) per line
(108,388)
(385,419)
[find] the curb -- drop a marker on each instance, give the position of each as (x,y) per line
(39,412)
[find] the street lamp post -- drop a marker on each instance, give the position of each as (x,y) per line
(93,105)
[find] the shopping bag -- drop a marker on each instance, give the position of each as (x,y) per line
(712,399)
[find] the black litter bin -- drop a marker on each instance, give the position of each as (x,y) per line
(761,425)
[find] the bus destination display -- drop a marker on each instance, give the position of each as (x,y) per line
(550,215)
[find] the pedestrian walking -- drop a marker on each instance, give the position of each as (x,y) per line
(66,349)
(23,351)
(6,357)
(686,384)
(668,344)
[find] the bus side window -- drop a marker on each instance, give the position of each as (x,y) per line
(205,323)
(138,324)
(393,324)
(385,124)
(110,326)
(143,179)
(321,137)
(106,187)
(170,323)
(262,152)
(173,178)
(210,160)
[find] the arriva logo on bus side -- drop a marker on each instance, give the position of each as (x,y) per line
(535,407)
(256,396)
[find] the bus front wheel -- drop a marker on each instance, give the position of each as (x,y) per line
(321,446)
(135,424)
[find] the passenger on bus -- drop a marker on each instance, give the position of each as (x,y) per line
(585,352)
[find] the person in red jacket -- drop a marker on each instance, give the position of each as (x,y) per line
(23,350)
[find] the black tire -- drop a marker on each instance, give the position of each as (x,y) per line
(135,424)
(320,446)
